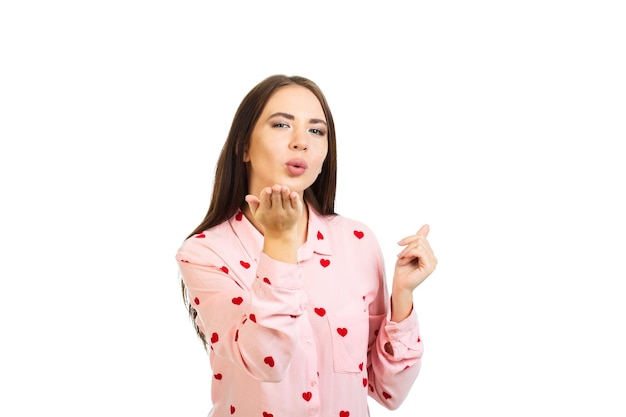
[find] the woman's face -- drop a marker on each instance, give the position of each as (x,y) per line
(289,142)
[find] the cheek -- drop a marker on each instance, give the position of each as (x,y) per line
(320,164)
(324,154)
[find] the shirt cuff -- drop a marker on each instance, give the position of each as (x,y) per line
(401,337)
(404,328)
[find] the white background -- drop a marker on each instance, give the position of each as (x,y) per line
(500,124)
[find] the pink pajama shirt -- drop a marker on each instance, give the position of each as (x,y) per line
(308,339)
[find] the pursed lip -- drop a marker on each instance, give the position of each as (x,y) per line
(297,163)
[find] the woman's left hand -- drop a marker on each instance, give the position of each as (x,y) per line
(415,262)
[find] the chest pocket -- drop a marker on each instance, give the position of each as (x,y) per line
(349,329)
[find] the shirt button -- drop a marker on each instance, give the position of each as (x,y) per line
(308,342)
(313,383)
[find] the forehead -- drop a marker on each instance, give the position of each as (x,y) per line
(295,100)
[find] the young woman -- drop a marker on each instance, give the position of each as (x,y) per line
(288,297)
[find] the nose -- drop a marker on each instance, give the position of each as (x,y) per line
(299,140)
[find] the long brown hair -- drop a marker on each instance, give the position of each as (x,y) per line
(231,180)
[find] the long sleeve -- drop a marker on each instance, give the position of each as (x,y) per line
(395,360)
(394,349)
(243,308)
(309,339)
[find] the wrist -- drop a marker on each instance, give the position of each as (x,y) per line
(401,304)
(281,246)
(401,293)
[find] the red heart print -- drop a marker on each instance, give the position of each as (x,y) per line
(200,236)
(217,376)
(244,264)
(364,382)
(239,216)
(237,300)
(361,366)
(185,261)
(266,414)
(320,311)
(307,396)
(320,236)
(237,335)
(196,301)
(269,361)
(253,317)
(232,409)
(324,262)
(358,234)
(343,413)
(418,339)
(267,281)
(214,338)
(342,331)
(224,269)
(387,396)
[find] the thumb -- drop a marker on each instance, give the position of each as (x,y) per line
(423,230)
(253,203)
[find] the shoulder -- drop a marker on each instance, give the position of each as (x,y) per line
(346,230)
(343,223)
(202,245)
(353,240)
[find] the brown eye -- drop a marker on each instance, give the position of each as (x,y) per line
(318,132)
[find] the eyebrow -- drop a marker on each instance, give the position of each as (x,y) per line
(291,117)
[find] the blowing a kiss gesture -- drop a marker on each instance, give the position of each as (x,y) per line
(415,263)
(278,214)
(243,282)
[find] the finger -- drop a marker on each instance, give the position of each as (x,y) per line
(294,199)
(265,197)
(423,230)
(407,240)
(277,196)
(409,259)
(286,197)
(407,255)
(403,261)
(252,199)
(421,233)
(419,248)
(253,203)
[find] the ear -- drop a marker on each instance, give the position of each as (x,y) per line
(246,157)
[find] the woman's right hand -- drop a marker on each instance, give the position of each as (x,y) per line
(277,210)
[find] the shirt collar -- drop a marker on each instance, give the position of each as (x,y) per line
(318,236)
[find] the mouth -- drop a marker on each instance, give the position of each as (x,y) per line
(297,166)
(297,163)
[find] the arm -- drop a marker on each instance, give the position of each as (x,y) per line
(415,263)
(257,327)
(396,350)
